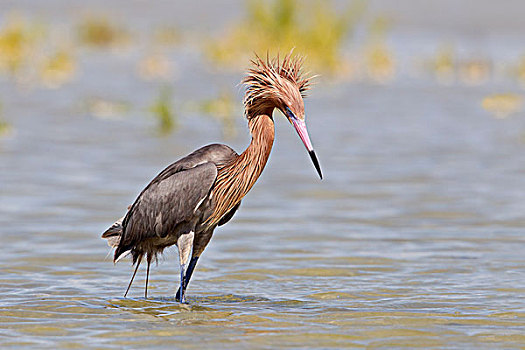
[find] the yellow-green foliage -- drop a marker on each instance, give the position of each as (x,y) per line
(58,69)
(99,31)
(502,105)
(162,110)
(4,126)
(316,29)
(223,109)
(379,59)
(167,36)
(380,64)
(443,65)
(520,69)
(154,66)
(106,109)
(17,39)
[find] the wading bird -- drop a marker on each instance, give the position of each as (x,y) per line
(184,203)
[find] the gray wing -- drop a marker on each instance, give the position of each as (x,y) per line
(166,203)
(215,153)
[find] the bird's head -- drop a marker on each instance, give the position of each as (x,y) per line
(279,84)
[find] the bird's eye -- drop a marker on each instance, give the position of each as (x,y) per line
(289,113)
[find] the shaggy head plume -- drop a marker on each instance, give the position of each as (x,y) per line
(275,84)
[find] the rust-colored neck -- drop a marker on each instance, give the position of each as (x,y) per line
(236,179)
(254,158)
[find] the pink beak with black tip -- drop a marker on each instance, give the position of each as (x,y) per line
(300,127)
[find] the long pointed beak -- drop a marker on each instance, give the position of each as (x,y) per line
(300,127)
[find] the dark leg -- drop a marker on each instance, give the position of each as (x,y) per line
(133,277)
(147,277)
(187,277)
(185,246)
(183,268)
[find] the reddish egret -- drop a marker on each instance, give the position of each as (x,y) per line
(185,202)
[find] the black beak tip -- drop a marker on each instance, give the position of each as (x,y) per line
(316,163)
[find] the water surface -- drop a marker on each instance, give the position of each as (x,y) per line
(413,239)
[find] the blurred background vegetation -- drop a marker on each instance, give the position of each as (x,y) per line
(346,42)
(318,30)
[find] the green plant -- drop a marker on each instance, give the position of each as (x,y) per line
(5,127)
(315,28)
(162,110)
(17,41)
(99,31)
(222,108)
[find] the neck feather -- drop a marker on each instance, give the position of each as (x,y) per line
(257,153)
(237,178)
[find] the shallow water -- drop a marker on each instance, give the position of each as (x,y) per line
(413,239)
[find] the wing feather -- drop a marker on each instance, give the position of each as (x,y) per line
(167,203)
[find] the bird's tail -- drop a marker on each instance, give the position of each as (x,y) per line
(114,233)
